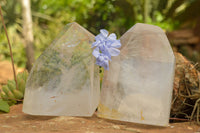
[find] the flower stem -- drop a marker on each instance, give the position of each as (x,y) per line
(4,26)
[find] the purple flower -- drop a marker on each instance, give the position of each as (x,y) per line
(107,44)
(100,38)
(101,59)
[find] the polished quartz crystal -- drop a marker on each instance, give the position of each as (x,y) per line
(64,80)
(138,86)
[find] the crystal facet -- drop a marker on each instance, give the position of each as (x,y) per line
(64,80)
(138,86)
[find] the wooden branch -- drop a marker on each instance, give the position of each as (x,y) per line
(28,32)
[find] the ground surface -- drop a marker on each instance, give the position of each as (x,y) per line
(18,122)
(6,72)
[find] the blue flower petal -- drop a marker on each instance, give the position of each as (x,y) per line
(105,52)
(96,52)
(102,60)
(104,32)
(114,51)
(100,37)
(112,36)
(116,44)
(95,44)
(106,65)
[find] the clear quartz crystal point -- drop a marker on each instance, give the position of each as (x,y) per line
(138,86)
(64,80)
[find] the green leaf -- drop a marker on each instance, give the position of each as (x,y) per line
(4,106)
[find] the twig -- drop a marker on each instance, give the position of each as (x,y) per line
(179,119)
(173,101)
(181,113)
(9,48)
(198,114)
(196,64)
(194,109)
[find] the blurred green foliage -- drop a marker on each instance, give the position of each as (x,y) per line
(50,16)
